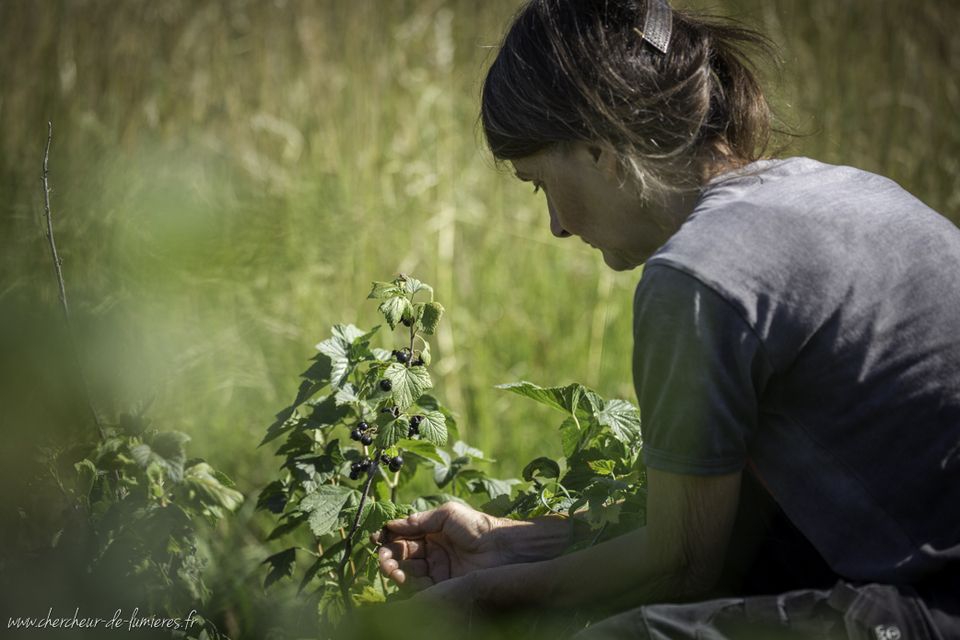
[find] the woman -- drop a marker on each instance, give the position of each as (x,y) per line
(797,350)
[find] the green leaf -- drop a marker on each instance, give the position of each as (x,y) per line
(281,565)
(326,562)
(384,290)
(566,399)
(377,513)
(202,489)
(491,486)
(395,309)
(391,432)
(445,472)
(433,428)
(324,506)
(326,412)
(570,436)
(430,317)
(369,596)
(421,448)
(623,419)
(289,523)
(461,448)
(602,467)
(426,503)
(337,348)
(415,286)
(331,605)
(86,476)
(544,467)
(409,383)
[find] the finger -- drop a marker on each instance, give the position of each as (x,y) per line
(402,550)
(427,522)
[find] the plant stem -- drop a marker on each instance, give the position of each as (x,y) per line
(348,548)
(63,293)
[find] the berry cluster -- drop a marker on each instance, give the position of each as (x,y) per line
(414,429)
(357,469)
(361,434)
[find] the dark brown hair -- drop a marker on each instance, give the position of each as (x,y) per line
(580,71)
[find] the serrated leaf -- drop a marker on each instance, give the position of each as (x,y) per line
(369,596)
(433,428)
(426,503)
(444,473)
(384,290)
(337,348)
(569,436)
(201,488)
(422,448)
(328,561)
(498,507)
(395,309)
(281,565)
(392,432)
(326,412)
(492,486)
(544,467)
(86,476)
(413,286)
(623,419)
(291,523)
(409,383)
(331,605)
(566,399)
(377,513)
(461,448)
(602,467)
(429,318)
(324,506)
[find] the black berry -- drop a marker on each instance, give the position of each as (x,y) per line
(355,434)
(385,459)
(354,475)
(365,465)
(402,357)
(396,464)
(366,439)
(415,421)
(356,466)
(363,426)
(386,385)
(407,322)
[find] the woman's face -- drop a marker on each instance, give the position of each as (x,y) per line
(588,197)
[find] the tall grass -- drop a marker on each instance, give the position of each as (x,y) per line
(231,175)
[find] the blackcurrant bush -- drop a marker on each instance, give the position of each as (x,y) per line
(396,464)
(386,385)
(366,439)
(355,434)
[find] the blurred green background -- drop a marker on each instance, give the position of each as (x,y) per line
(229,176)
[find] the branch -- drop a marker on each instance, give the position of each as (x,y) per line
(63,293)
(348,548)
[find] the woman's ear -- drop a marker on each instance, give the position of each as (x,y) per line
(606,161)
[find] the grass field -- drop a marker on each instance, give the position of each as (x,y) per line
(230,176)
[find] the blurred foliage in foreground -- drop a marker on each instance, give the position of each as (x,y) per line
(223,170)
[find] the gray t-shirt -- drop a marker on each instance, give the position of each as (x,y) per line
(805,321)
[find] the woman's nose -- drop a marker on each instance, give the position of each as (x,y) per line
(555,227)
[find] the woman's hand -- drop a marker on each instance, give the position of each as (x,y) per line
(450,541)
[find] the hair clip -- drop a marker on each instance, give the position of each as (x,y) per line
(657,25)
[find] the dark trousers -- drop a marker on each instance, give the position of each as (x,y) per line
(775,585)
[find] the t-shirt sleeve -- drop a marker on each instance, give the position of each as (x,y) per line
(699,371)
